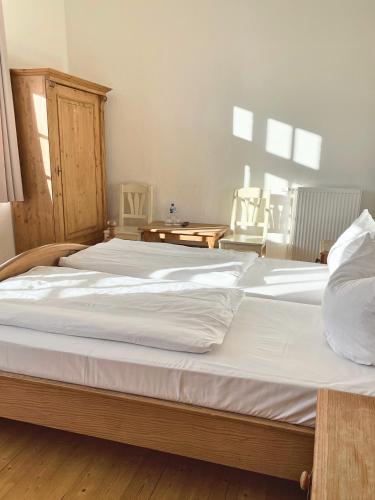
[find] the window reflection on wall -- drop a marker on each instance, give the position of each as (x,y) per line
(243,121)
(282,139)
(307,148)
(302,146)
(246,176)
(279,138)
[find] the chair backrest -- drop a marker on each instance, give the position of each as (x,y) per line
(280,214)
(136,201)
(250,210)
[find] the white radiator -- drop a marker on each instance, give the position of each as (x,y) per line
(321,214)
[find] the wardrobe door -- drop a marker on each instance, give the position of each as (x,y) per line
(33,218)
(80,168)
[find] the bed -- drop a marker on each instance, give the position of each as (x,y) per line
(270,370)
(291,280)
(294,281)
(90,387)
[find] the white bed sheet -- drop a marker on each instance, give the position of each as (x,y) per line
(271,364)
(290,280)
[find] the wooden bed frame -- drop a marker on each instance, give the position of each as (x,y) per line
(250,443)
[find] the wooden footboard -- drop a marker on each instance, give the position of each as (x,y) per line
(249,443)
(47,255)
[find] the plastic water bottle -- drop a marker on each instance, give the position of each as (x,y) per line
(172,216)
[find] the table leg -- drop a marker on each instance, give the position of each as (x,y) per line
(172,238)
(211,240)
(150,237)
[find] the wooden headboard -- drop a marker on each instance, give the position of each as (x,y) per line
(47,255)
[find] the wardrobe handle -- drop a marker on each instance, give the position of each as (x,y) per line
(59,170)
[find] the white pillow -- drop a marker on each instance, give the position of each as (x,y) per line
(348,242)
(349,304)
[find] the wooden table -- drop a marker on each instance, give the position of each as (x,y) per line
(344,454)
(194,233)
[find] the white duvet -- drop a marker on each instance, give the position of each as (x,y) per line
(163,261)
(180,316)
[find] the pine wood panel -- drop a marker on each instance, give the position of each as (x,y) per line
(344,456)
(103,100)
(249,443)
(194,233)
(64,79)
(80,163)
(61,141)
(47,255)
(54,147)
(33,218)
(44,464)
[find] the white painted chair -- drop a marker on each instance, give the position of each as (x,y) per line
(249,221)
(135,209)
(280,224)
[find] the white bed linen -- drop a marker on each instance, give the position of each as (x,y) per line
(350,241)
(273,360)
(348,304)
(290,280)
(163,262)
(280,279)
(168,315)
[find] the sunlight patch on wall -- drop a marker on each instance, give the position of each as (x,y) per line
(275,184)
(243,121)
(279,138)
(300,145)
(246,176)
(307,148)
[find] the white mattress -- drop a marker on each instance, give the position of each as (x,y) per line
(290,280)
(270,365)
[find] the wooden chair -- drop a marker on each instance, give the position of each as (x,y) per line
(135,209)
(249,221)
(280,223)
(136,201)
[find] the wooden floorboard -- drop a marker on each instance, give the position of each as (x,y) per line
(44,464)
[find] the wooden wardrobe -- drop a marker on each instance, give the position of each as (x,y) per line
(60,129)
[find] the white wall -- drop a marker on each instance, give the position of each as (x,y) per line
(36,37)
(179,68)
(36,33)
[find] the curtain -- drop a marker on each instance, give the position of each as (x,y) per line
(10,174)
